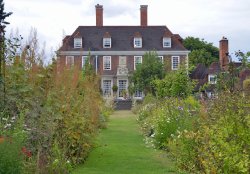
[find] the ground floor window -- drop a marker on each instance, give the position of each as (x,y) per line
(138,94)
(106,87)
(122,88)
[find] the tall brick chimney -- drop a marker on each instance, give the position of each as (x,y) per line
(224,60)
(144,15)
(99,15)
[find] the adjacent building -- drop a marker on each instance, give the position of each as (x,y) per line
(115,51)
(209,75)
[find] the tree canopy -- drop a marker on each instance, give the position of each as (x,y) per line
(201,51)
(150,69)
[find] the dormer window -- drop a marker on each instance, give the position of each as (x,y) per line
(77,42)
(166,42)
(106,42)
(137,42)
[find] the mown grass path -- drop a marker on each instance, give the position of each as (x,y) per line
(121,150)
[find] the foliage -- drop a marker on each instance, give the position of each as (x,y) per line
(11,156)
(244,59)
(217,141)
(223,136)
(3,23)
(201,51)
(246,85)
(175,84)
(114,88)
(165,118)
(228,81)
(150,69)
(60,118)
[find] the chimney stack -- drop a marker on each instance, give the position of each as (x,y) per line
(223,53)
(99,15)
(144,15)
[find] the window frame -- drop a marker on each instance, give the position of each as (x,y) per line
(84,62)
(135,61)
(212,76)
(161,59)
(103,59)
(140,96)
(66,61)
(109,89)
(77,40)
(172,62)
(104,41)
(137,39)
(166,40)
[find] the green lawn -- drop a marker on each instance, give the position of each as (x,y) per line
(121,150)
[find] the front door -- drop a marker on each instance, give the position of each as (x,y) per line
(123,89)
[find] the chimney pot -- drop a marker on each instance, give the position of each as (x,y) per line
(144,15)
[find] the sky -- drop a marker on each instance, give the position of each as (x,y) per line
(207,19)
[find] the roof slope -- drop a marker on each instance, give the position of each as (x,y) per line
(122,38)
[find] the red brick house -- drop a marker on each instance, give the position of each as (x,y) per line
(204,75)
(116,50)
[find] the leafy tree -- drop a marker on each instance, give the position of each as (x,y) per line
(150,69)
(175,84)
(3,23)
(244,58)
(201,51)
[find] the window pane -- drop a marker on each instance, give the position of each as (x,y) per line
(175,62)
(70,60)
(122,86)
(138,94)
(84,59)
(78,43)
(107,87)
(160,58)
(106,62)
(106,42)
(137,42)
(166,42)
(137,61)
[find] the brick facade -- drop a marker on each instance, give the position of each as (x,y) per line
(122,47)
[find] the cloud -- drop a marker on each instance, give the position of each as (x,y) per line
(208,19)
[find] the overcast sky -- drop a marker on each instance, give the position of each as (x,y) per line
(208,19)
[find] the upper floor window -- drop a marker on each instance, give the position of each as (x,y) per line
(77,42)
(137,42)
(106,42)
(69,60)
(212,79)
(166,42)
(137,61)
(175,62)
(106,62)
(160,59)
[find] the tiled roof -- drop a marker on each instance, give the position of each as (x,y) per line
(214,68)
(199,74)
(122,38)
